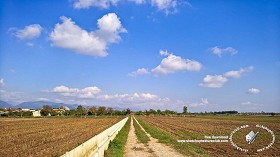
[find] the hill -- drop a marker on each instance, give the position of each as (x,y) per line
(4,104)
(39,104)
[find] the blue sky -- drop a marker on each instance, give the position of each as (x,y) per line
(142,54)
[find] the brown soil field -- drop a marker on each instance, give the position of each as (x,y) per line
(199,126)
(48,136)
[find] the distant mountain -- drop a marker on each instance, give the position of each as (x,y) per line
(40,104)
(4,104)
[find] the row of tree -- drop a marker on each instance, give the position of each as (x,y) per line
(82,111)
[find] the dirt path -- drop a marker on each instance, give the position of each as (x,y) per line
(133,147)
(153,149)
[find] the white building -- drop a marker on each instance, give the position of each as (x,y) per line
(36,113)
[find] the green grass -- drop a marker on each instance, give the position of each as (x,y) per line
(117,146)
(142,137)
(163,137)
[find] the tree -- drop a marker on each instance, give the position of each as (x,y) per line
(152,111)
(139,113)
(101,110)
(54,113)
(158,111)
(70,113)
(185,110)
(92,111)
(80,110)
(110,110)
(128,111)
(46,110)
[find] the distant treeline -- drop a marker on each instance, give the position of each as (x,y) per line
(236,112)
(64,111)
(109,111)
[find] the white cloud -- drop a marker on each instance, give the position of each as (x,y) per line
(220,51)
(253,91)
(43,99)
(237,74)
(249,103)
(204,102)
(1,82)
(88,92)
(141,71)
(167,6)
(30,44)
(138,1)
(164,53)
(172,64)
(29,32)
(109,28)
(14,97)
(246,103)
(136,98)
(105,4)
(70,36)
(216,81)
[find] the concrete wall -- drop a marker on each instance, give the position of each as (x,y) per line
(96,146)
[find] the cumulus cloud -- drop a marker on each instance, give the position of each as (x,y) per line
(94,94)
(1,82)
(43,99)
(253,91)
(138,1)
(164,53)
(28,32)
(136,98)
(251,104)
(203,102)
(215,81)
(109,28)
(220,51)
(70,36)
(14,97)
(173,63)
(105,4)
(167,6)
(88,92)
(238,73)
(29,44)
(218,81)
(141,71)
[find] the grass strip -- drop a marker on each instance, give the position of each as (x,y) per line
(142,137)
(163,137)
(117,146)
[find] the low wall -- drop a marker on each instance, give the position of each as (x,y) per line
(96,146)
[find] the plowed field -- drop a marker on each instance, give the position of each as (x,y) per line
(47,136)
(197,127)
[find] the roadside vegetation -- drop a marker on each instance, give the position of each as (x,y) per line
(166,138)
(117,146)
(141,135)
